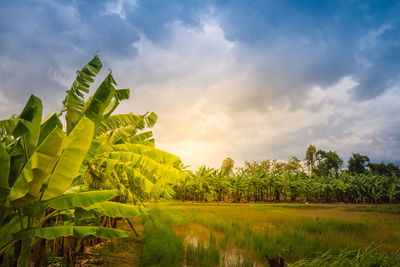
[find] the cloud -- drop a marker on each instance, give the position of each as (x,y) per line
(118,7)
(250,80)
(210,107)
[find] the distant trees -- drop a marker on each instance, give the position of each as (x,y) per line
(310,158)
(384,169)
(320,177)
(227,166)
(328,163)
(358,164)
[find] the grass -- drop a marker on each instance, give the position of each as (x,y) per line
(162,247)
(217,234)
(223,234)
(126,251)
(370,256)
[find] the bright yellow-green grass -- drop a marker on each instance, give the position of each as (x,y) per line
(243,234)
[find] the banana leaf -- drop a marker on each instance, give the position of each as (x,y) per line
(27,130)
(83,199)
(155,154)
(112,209)
(67,168)
(101,100)
(4,172)
(74,101)
(75,231)
(49,126)
(28,184)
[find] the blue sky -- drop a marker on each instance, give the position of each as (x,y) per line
(247,79)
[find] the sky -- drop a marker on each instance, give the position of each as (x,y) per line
(250,80)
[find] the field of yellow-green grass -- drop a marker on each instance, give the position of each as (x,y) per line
(223,234)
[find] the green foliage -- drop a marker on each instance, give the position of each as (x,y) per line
(113,209)
(39,167)
(310,157)
(384,169)
(43,170)
(227,166)
(273,180)
(370,256)
(293,231)
(328,163)
(74,102)
(358,163)
(74,231)
(4,173)
(76,147)
(70,201)
(161,246)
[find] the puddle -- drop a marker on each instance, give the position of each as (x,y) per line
(231,257)
(192,240)
(228,258)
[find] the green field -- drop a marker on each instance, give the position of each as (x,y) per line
(222,234)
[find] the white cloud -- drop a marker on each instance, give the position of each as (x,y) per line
(7,106)
(118,7)
(210,104)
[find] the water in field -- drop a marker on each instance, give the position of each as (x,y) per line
(194,234)
(243,234)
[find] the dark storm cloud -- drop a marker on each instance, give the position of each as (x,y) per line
(299,44)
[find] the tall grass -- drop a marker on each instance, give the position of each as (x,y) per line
(249,232)
(371,256)
(162,247)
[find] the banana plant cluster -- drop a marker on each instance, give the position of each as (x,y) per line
(282,182)
(46,207)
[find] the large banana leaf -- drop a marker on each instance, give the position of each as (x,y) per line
(9,228)
(49,126)
(94,146)
(74,101)
(144,138)
(147,165)
(122,94)
(70,201)
(28,130)
(113,209)
(151,119)
(67,168)
(29,122)
(155,154)
(123,120)
(101,100)
(4,172)
(75,231)
(28,184)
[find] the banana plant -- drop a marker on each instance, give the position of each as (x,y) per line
(127,159)
(39,162)
(37,169)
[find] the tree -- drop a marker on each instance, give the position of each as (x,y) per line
(358,163)
(310,158)
(293,166)
(384,169)
(227,166)
(329,163)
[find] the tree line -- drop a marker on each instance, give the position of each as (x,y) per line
(320,177)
